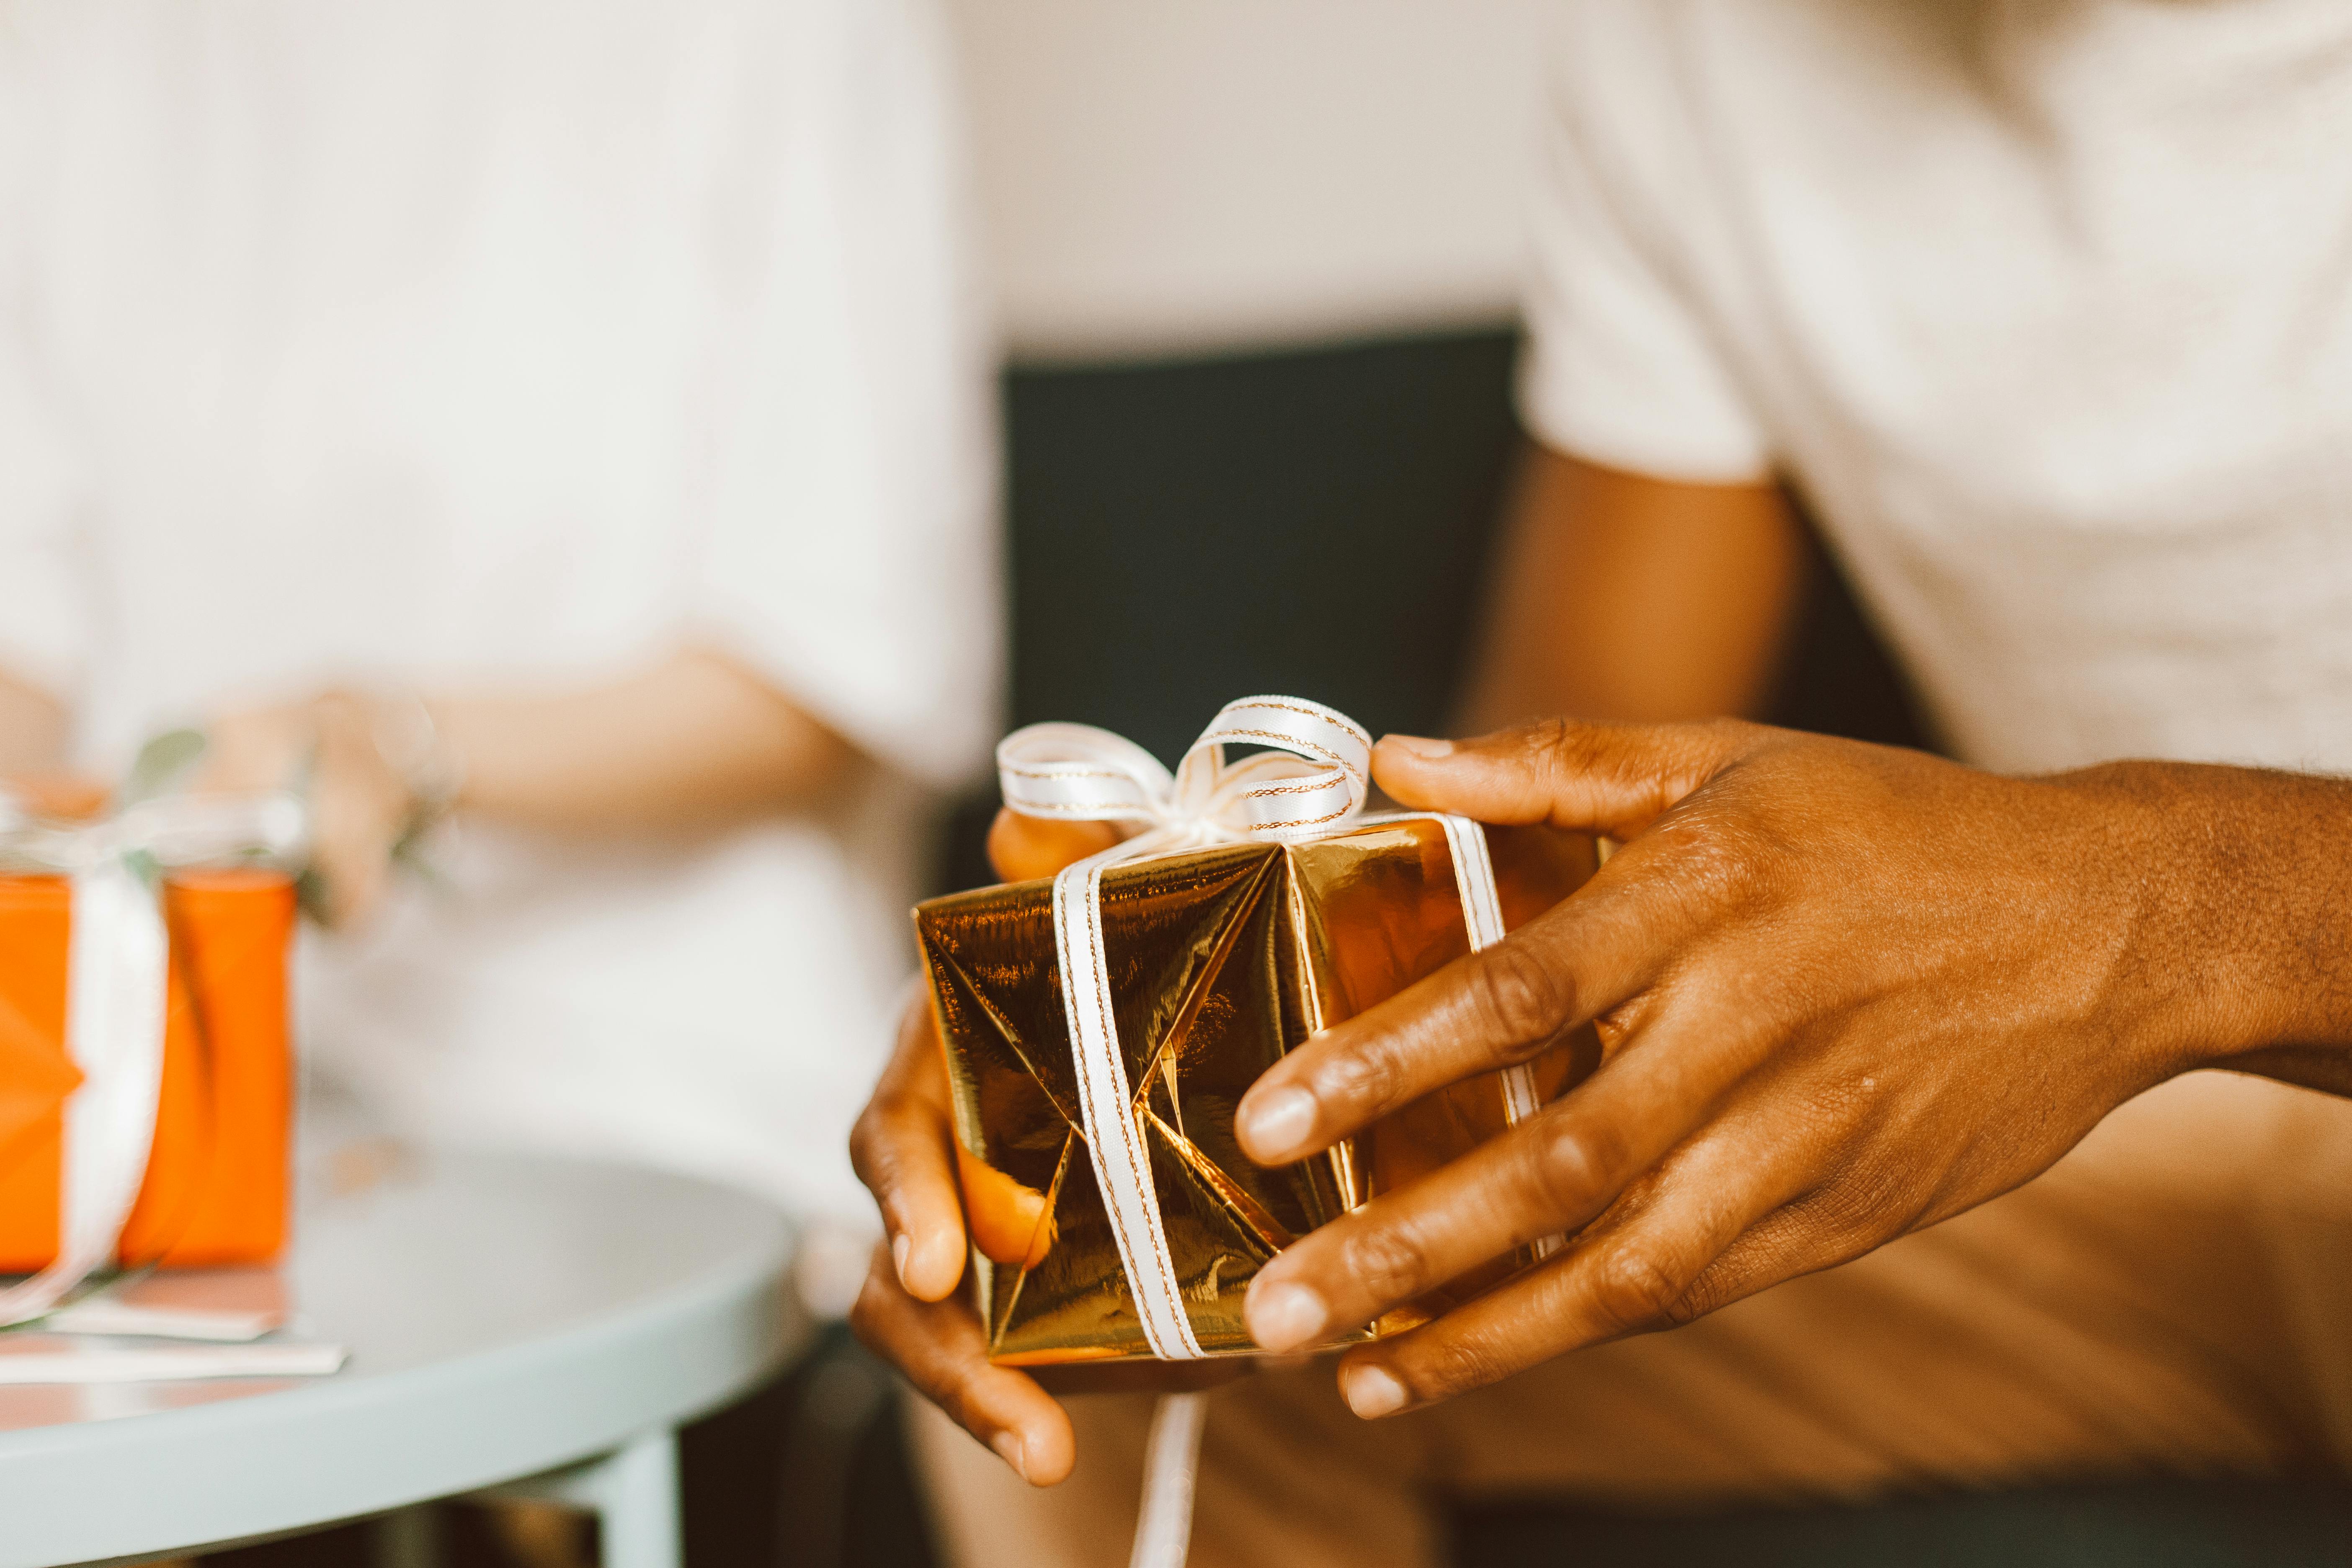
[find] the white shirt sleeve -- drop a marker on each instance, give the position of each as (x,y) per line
(851,553)
(1620,368)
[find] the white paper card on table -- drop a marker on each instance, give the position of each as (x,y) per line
(229,1306)
(100,1315)
(63,1358)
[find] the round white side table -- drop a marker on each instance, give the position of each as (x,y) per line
(517,1324)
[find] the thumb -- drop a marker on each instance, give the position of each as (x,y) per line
(1023,849)
(1587,778)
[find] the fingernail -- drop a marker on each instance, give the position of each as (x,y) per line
(1281,1316)
(1277,1121)
(1008,1448)
(1371,1391)
(900,1246)
(1420,746)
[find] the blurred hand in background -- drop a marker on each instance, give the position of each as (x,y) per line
(694,742)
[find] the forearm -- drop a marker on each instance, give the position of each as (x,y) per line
(693,740)
(1619,595)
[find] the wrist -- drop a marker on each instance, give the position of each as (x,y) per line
(2239,908)
(415,744)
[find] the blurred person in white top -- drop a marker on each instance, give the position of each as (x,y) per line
(575,408)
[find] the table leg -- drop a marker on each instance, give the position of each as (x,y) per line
(633,1492)
(637,1504)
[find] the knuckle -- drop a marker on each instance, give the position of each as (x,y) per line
(1386,1262)
(1633,1291)
(1570,1167)
(1370,1077)
(865,1141)
(1524,999)
(1714,865)
(1557,740)
(1463,1363)
(1729,736)
(869,1311)
(889,1108)
(960,1394)
(1701,1296)
(1566,750)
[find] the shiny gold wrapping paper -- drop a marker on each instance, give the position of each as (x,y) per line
(1220,960)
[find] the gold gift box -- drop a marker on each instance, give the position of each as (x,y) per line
(1220,961)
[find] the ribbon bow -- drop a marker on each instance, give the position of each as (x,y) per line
(118,958)
(169,831)
(1313,779)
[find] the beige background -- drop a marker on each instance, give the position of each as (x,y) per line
(1187,175)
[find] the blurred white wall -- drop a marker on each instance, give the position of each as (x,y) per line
(1171,176)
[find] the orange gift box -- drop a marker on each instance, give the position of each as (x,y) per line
(217,1179)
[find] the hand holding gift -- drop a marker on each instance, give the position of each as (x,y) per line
(905,1149)
(1108,1207)
(1847,992)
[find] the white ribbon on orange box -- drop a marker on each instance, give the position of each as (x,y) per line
(1310,782)
(119,959)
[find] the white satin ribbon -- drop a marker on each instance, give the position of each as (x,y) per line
(1316,777)
(1313,779)
(119,957)
(1171,1463)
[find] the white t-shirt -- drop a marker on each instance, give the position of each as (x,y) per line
(462,341)
(2047,308)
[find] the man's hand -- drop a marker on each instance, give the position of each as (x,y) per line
(1844,992)
(912,1312)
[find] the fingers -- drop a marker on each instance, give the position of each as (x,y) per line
(940,1348)
(1023,849)
(358,804)
(350,846)
(903,1150)
(360,807)
(1642,1268)
(1565,968)
(1593,778)
(1550,1174)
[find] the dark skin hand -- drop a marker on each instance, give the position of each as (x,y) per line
(912,1310)
(1844,992)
